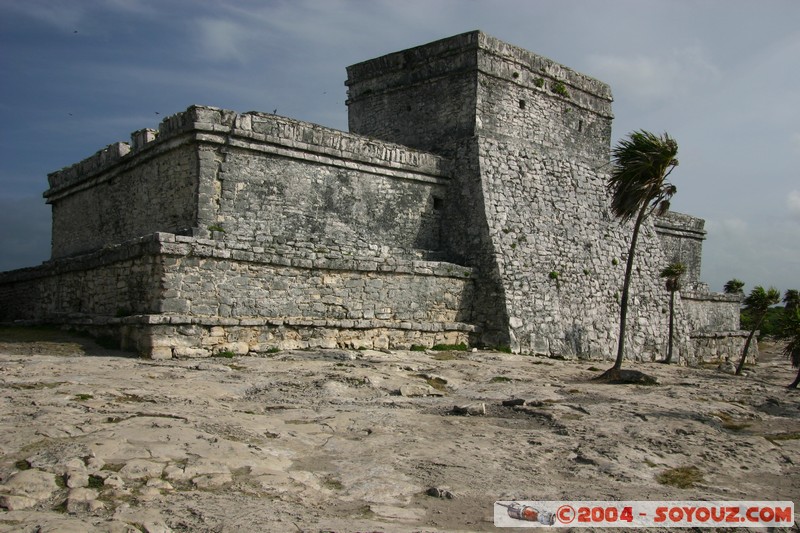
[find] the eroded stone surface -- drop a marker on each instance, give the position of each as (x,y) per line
(171,446)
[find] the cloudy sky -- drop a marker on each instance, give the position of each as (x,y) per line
(721,76)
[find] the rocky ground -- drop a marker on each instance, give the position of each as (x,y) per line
(95,440)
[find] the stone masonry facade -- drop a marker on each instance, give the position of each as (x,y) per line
(467,204)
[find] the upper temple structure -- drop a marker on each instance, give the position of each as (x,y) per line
(467,203)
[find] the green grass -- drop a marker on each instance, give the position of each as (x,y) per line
(500,379)
(225,353)
(31,334)
(683,477)
(450,347)
(777,437)
(729,423)
(437,383)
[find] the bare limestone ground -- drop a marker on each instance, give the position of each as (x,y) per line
(95,440)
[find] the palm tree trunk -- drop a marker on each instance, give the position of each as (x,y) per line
(623,306)
(747,345)
(796,381)
(668,360)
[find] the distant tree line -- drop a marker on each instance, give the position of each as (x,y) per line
(761,312)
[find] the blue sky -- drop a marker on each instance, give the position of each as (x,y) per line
(721,76)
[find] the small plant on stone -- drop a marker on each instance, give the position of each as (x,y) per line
(417,348)
(555,276)
(560,89)
(539,82)
(225,353)
(217,228)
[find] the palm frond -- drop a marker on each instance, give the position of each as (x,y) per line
(640,165)
(791,299)
(759,299)
(673,270)
(733,286)
(792,330)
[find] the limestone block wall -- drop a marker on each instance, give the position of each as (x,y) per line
(165,295)
(421,97)
(212,279)
(682,239)
(529,180)
(119,194)
(709,312)
(118,281)
(250,177)
(561,258)
(264,196)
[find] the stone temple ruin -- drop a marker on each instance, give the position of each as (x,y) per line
(466,204)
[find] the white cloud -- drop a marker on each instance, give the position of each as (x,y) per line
(61,15)
(727,226)
(223,39)
(655,79)
(793,203)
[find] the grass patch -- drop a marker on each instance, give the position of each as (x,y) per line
(22,464)
(332,484)
(729,423)
(353,381)
(133,398)
(777,437)
(445,356)
(227,354)
(39,385)
(417,348)
(683,477)
(95,482)
(450,347)
(435,382)
(83,397)
(503,348)
(500,379)
(32,334)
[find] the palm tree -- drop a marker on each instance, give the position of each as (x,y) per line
(734,286)
(756,304)
(638,187)
(792,348)
(672,273)
(791,299)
